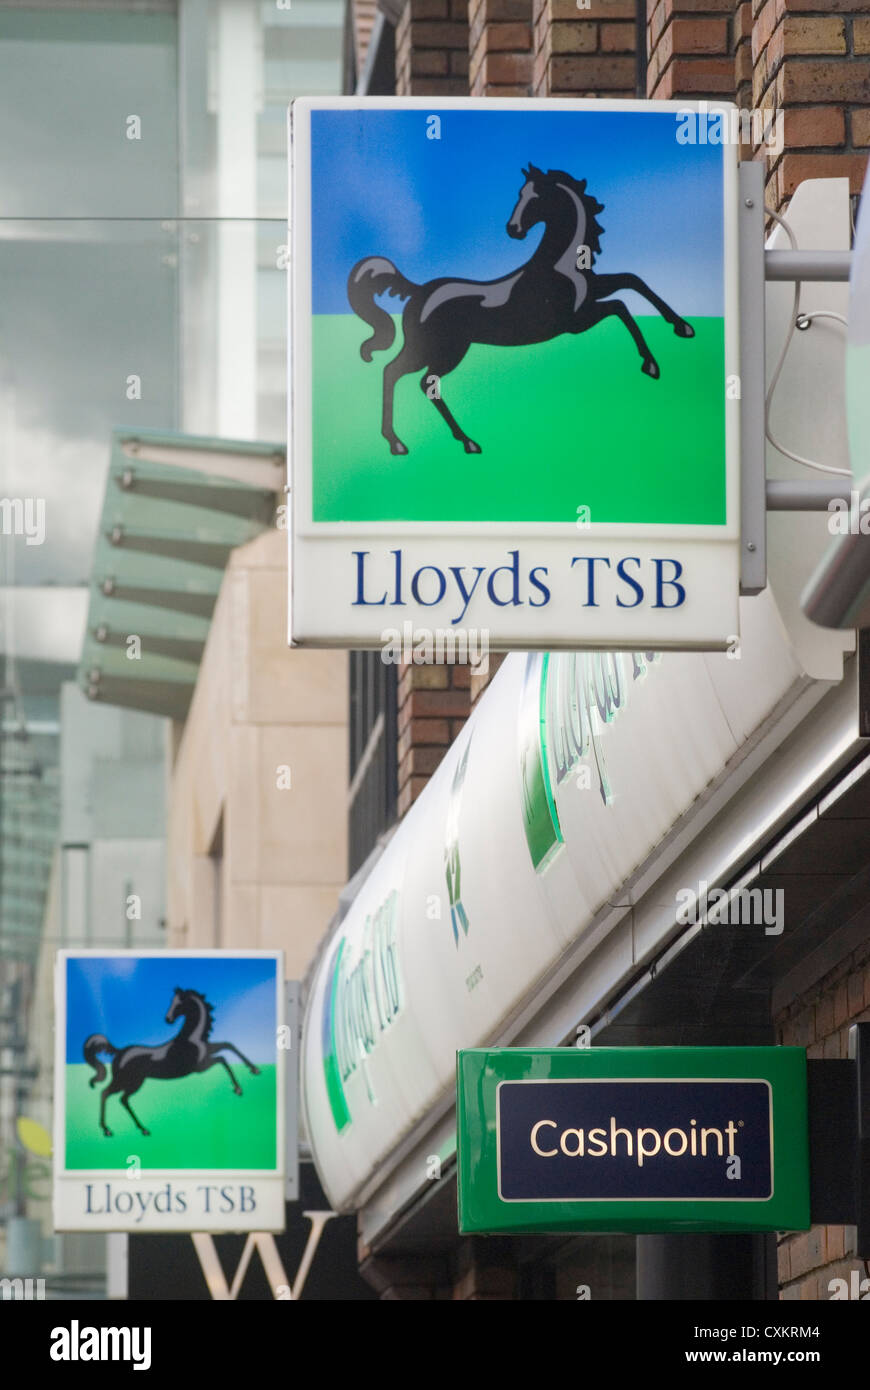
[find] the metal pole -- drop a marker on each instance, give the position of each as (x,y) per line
(753,517)
(859,1052)
(705,1268)
(807,265)
(806,495)
(838,594)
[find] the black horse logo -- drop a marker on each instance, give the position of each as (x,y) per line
(555,292)
(189,1051)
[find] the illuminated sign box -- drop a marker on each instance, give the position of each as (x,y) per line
(169,1091)
(633,1139)
(514,392)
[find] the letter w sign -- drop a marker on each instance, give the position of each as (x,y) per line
(264,1243)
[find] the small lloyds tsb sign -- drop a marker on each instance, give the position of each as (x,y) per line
(633,1139)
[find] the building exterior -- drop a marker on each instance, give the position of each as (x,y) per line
(776,807)
(173,775)
(142,259)
(257,853)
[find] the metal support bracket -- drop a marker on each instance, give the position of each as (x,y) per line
(753,501)
(757,265)
(838,1095)
(808,265)
(291,1092)
(806,495)
(859,1050)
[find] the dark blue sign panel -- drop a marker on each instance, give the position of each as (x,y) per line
(635,1140)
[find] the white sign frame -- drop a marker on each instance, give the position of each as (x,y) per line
(72,1201)
(323,572)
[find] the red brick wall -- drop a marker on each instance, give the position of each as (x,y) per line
(432,49)
(584,52)
(741,44)
(690,48)
(500,47)
(812,62)
(820,1022)
(433,704)
(481,679)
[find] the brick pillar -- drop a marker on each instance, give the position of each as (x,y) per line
(432,49)
(813,67)
(690,54)
(434,702)
(584,52)
(500,47)
(480,680)
(741,43)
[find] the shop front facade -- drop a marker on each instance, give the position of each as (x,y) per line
(606,849)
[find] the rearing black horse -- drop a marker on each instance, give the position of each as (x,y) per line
(555,292)
(189,1051)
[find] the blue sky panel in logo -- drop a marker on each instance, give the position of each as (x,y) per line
(603,1140)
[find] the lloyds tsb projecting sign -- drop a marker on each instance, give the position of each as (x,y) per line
(515,386)
(169,1091)
(633,1139)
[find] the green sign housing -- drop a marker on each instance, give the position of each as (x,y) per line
(633,1139)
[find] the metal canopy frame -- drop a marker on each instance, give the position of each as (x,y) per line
(175,508)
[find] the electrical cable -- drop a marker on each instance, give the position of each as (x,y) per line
(803,321)
(796,318)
